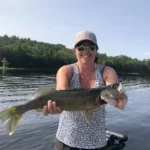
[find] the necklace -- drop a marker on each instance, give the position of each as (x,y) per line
(85,75)
(89,75)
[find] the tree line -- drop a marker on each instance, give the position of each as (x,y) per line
(18,52)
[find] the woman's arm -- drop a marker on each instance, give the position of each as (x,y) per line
(110,77)
(62,82)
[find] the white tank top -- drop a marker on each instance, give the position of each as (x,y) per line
(73,130)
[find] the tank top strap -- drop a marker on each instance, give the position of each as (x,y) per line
(76,68)
(100,72)
(71,69)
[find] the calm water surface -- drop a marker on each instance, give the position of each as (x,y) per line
(36,132)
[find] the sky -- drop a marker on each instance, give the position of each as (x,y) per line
(121,26)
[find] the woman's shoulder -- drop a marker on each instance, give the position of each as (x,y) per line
(105,67)
(107,70)
(66,70)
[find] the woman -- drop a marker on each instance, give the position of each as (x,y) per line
(73,131)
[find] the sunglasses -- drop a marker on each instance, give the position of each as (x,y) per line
(89,47)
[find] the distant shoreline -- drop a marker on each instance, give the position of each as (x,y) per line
(27,69)
(30,55)
(54,70)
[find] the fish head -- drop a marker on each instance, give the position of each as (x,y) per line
(110,93)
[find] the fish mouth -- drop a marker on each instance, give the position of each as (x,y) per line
(112,102)
(109,95)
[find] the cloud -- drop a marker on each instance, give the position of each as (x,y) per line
(147,54)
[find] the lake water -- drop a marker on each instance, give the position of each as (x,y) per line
(36,132)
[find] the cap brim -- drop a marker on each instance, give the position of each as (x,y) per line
(85,40)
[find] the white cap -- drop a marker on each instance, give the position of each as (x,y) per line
(85,35)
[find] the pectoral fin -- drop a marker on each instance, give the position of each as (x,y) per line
(88,116)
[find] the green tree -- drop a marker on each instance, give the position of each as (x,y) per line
(4,63)
(27,53)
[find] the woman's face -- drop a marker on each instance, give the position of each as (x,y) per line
(85,52)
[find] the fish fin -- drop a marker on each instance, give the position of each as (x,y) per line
(11,118)
(88,116)
(39,110)
(42,90)
(120,88)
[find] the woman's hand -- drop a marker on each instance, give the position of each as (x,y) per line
(122,100)
(110,77)
(51,108)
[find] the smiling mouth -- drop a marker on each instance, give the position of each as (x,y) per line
(85,56)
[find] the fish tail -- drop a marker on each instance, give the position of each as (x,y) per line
(11,118)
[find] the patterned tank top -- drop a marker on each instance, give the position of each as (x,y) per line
(73,130)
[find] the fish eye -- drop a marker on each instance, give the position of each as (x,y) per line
(114,86)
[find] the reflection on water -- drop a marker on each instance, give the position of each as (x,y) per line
(36,132)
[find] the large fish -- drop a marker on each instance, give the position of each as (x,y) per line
(85,100)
